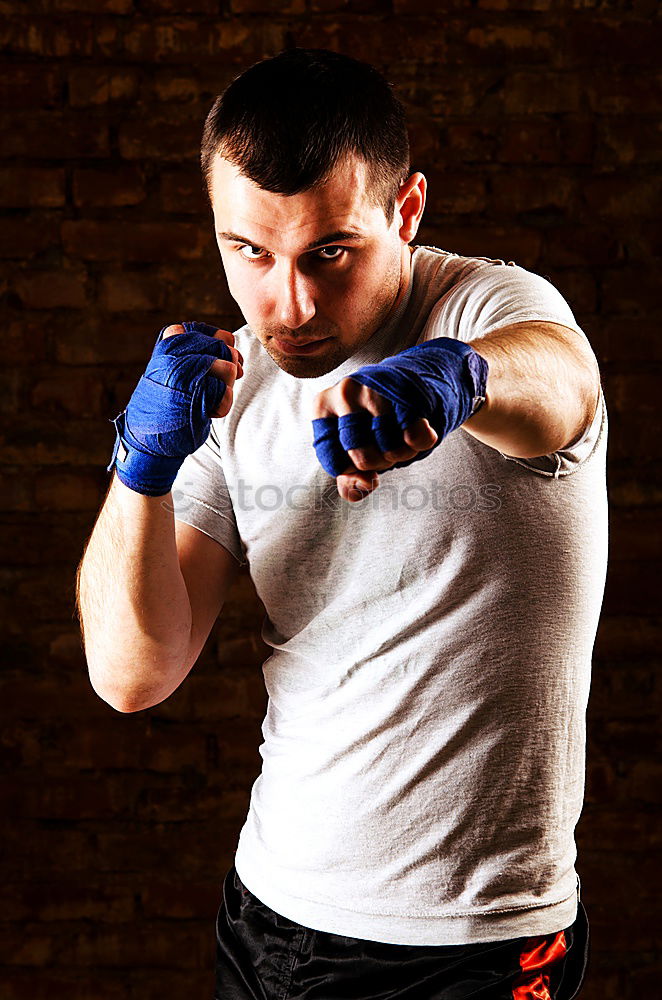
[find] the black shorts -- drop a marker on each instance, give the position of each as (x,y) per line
(264,956)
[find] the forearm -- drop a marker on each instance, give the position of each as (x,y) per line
(133,604)
(542,389)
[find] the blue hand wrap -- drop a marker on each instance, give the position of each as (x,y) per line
(169,414)
(443,380)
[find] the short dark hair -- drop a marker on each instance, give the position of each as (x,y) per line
(287,121)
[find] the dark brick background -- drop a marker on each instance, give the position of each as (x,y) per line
(537,124)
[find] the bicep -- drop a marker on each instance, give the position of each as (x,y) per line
(209,570)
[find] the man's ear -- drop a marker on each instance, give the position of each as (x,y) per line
(409,206)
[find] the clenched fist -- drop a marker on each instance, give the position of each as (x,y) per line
(188,380)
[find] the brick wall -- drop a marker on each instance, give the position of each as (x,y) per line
(537,124)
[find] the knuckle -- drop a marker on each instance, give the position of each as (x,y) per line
(348,390)
(415,437)
(173,329)
(381,406)
(227,371)
(320,406)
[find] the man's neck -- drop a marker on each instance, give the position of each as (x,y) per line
(405,277)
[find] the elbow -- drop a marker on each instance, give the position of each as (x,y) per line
(122,701)
(587,401)
(126,698)
(143,679)
(125,706)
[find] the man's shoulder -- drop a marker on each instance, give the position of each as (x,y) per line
(477,294)
(440,274)
(444,268)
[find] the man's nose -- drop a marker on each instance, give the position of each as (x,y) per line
(296,302)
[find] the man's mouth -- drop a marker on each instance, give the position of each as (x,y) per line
(299,346)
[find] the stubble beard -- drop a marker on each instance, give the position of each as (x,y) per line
(335,353)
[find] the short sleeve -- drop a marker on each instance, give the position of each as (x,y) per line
(493,295)
(562,463)
(202,499)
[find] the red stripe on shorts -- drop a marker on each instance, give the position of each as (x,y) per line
(536,957)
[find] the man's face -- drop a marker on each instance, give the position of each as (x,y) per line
(321,266)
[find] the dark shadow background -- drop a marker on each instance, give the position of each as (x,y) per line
(537,124)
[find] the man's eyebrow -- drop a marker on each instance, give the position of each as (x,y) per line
(340,234)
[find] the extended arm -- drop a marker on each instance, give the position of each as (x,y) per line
(540,393)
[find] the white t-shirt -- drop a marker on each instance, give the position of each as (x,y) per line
(424,741)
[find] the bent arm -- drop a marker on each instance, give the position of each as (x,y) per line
(542,390)
(148,591)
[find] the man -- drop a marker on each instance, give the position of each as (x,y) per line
(408,451)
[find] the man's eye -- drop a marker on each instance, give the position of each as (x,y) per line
(248,252)
(335,252)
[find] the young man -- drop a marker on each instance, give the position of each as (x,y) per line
(408,451)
